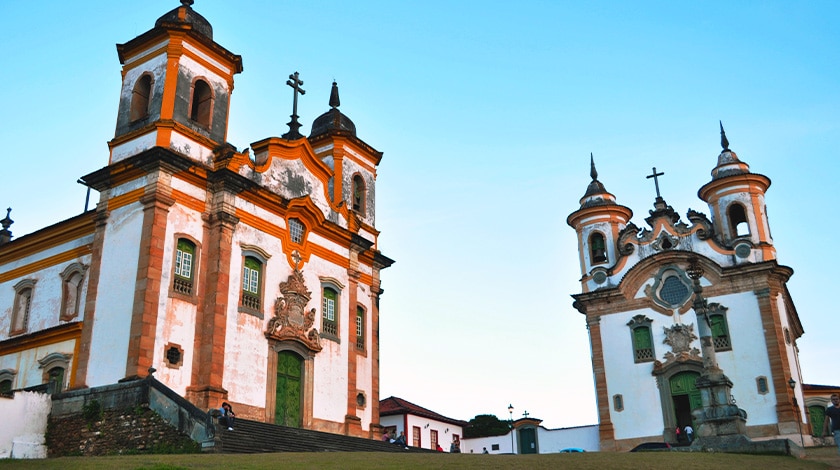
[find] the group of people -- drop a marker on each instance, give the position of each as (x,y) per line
(399,440)
(686,433)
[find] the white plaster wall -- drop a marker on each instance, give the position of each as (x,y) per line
(748,358)
(24,425)
(350,168)
(29,371)
(549,441)
(555,440)
(133,146)
(115,296)
(45,306)
(184,145)
(176,317)
(642,414)
(330,368)
(276,179)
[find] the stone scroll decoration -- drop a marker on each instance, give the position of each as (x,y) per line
(679,337)
(291,321)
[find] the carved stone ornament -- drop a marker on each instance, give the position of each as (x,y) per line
(291,321)
(679,337)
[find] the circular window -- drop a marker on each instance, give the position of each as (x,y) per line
(674,291)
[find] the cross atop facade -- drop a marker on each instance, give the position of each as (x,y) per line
(525,414)
(656,180)
(295,82)
(296,258)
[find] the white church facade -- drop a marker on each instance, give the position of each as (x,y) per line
(637,299)
(250,276)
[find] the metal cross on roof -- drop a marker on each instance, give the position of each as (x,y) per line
(656,180)
(294,125)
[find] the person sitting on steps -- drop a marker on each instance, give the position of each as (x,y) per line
(226,416)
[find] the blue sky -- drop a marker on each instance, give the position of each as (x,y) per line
(486,113)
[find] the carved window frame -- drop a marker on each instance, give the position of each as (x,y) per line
(141,97)
(734,219)
(359,194)
(199,99)
(638,325)
(719,326)
(659,284)
(49,363)
(331,329)
(250,303)
(72,293)
(598,248)
(7,376)
(179,282)
(22,308)
(618,402)
(361,330)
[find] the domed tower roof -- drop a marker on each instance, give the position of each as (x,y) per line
(596,194)
(728,163)
(333,120)
(184,14)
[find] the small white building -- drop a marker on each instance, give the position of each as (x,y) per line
(527,436)
(422,427)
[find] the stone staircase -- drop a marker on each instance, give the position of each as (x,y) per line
(251,437)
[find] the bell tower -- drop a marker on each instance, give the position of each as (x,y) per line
(598,223)
(736,201)
(176,87)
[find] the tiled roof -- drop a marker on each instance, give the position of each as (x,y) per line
(397,406)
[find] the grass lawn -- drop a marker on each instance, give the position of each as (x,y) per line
(816,459)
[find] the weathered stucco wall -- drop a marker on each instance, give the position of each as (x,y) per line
(24,424)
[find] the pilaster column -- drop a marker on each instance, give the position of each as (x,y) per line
(606,431)
(101,222)
(206,389)
(141,342)
(777,353)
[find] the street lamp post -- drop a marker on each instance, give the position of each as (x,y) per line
(510,410)
(798,415)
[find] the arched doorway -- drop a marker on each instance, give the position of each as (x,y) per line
(685,397)
(289,389)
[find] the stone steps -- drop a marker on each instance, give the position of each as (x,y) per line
(256,437)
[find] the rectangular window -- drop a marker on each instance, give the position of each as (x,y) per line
(329,323)
(251,297)
(360,329)
(184,256)
(642,344)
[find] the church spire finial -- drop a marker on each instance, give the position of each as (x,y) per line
(723,140)
(592,172)
(187,3)
(334,101)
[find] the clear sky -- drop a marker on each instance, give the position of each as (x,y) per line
(486,113)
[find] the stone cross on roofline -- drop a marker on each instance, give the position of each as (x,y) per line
(295,82)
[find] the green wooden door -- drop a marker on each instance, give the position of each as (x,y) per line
(527,441)
(287,409)
(685,396)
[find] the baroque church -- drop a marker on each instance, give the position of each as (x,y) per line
(638,294)
(250,276)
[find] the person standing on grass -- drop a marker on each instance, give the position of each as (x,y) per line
(832,414)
